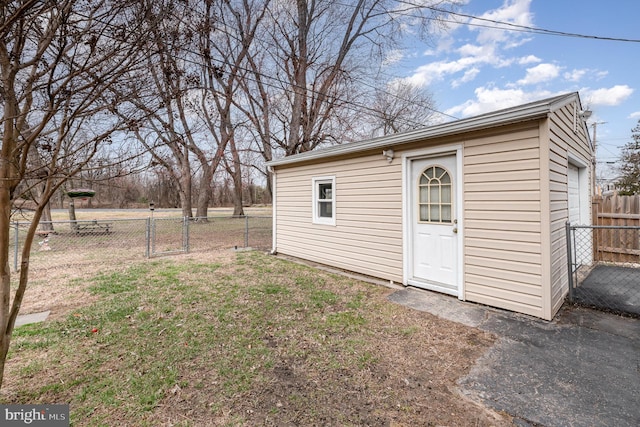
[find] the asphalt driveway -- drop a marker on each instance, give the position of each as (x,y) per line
(611,287)
(581,369)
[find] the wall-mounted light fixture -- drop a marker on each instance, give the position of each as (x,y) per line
(388,154)
(585,114)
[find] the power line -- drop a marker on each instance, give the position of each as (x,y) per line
(517,27)
(361,107)
(345,101)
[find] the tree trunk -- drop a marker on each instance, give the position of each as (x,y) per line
(204,193)
(186,182)
(237,194)
(72,215)
(72,210)
(236,175)
(46,223)
(5,271)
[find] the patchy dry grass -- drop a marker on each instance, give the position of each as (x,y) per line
(244,340)
(84,213)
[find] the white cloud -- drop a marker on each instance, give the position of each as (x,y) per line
(575,75)
(540,73)
(445,44)
(512,11)
(394,56)
(492,99)
(472,50)
(530,59)
(634,115)
(435,71)
(468,76)
(607,96)
(485,50)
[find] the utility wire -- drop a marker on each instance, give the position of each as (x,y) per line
(506,26)
(537,30)
(511,26)
(354,104)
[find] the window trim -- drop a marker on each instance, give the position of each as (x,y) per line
(316,181)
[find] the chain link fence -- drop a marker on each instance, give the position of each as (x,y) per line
(604,267)
(87,245)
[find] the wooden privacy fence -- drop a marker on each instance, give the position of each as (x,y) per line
(616,244)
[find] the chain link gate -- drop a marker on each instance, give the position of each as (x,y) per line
(168,236)
(604,267)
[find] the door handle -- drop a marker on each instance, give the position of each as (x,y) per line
(455,229)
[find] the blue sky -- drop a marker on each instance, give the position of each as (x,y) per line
(471,70)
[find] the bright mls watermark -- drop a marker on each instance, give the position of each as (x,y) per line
(34,415)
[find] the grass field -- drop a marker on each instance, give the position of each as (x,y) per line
(242,339)
(89,214)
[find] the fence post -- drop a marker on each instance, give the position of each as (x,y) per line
(147,236)
(246,231)
(186,234)
(153,236)
(569,259)
(16,243)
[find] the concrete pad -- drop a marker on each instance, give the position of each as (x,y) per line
(580,370)
(441,305)
(25,319)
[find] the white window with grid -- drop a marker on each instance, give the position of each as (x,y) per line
(324,200)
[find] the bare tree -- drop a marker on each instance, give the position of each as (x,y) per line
(164,127)
(197,52)
(307,71)
(629,165)
(399,107)
(227,34)
(60,63)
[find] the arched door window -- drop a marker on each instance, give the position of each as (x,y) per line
(435,202)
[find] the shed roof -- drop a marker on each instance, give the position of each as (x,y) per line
(525,112)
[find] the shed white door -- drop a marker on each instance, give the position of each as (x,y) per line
(434,224)
(574,194)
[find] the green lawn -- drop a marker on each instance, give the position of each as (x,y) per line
(246,339)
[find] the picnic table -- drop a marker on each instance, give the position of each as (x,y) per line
(93,227)
(45,233)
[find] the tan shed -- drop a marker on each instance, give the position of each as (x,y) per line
(475,208)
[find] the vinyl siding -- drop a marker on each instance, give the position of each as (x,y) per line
(367,237)
(515,205)
(502,233)
(562,140)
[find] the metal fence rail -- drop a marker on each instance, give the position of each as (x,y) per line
(88,244)
(604,267)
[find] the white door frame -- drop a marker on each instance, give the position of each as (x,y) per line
(407,226)
(584,187)
(584,205)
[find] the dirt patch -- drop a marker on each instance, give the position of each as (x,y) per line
(411,382)
(407,376)
(57,291)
